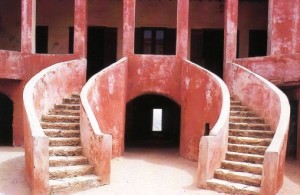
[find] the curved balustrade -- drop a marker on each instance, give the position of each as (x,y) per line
(216,108)
(103,100)
(45,89)
(267,100)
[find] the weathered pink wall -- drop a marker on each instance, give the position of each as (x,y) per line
(45,89)
(266,99)
(201,103)
(154,74)
(106,97)
(284,36)
(283,70)
(10,65)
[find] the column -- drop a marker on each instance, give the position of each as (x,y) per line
(80,28)
(128,27)
(28,23)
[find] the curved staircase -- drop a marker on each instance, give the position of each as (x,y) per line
(249,137)
(69,170)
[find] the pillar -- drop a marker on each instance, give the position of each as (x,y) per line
(128,27)
(28,23)
(182,29)
(283,27)
(230,30)
(80,28)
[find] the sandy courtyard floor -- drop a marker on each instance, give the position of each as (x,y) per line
(140,172)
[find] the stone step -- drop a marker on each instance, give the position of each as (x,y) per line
(67,185)
(235,103)
(239,108)
(260,150)
(69,171)
(63,141)
(62,133)
(242,167)
(231,187)
(63,126)
(238,177)
(75,96)
(249,141)
(243,119)
(65,112)
(67,107)
(251,133)
(71,101)
(65,150)
(60,118)
(55,161)
(242,157)
(243,113)
(249,126)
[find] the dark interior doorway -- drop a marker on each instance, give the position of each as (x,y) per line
(146,128)
(157,41)
(41,39)
(258,43)
(101,47)
(291,150)
(207,49)
(6,119)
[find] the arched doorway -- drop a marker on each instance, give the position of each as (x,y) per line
(6,118)
(152,121)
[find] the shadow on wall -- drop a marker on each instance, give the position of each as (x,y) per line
(152,121)
(6,118)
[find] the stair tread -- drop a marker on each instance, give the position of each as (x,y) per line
(63,158)
(244,154)
(243,163)
(239,174)
(234,186)
(245,145)
(69,180)
(73,167)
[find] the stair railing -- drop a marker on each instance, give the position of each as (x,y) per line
(95,139)
(212,147)
(45,89)
(269,102)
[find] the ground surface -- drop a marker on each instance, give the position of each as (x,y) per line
(140,171)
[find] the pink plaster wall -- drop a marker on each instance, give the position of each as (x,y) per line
(282,70)
(266,99)
(106,96)
(11,65)
(10,25)
(154,74)
(40,94)
(201,103)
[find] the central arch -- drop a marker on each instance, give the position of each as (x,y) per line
(6,119)
(152,121)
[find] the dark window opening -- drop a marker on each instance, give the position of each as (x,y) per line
(207,49)
(292,136)
(71,40)
(41,41)
(258,43)
(6,119)
(152,121)
(159,41)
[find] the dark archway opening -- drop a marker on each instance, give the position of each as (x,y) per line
(6,118)
(152,121)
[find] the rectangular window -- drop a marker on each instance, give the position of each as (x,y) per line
(157,120)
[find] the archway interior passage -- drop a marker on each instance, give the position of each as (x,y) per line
(152,121)
(6,117)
